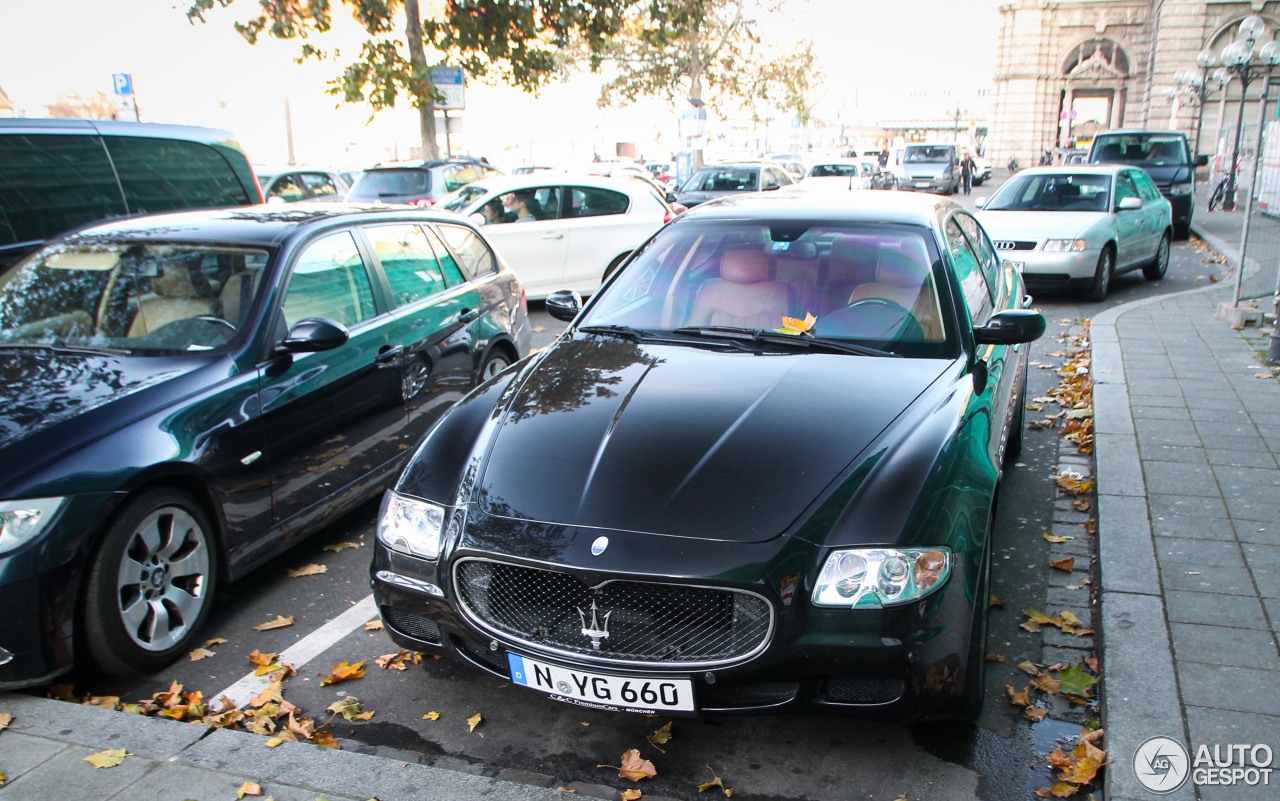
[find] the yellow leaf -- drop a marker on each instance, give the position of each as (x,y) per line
(394,661)
(635,767)
(200,653)
(1029,669)
(215,641)
(995,600)
(1065,565)
(103,701)
(339,547)
(5,720)
(1054,538)
(256,657)
(364,716)
(325,739)
(794,325)
(348,707)
(1046,684)
(248,788)
(108,758)
(995,657)
(279,623)
(308,570)
(561,788)
(274,742)
(344,671)
(373,625)
(1018,697)
(432,715)
(1035,714)
(630,794)
(661,737)
(474,721)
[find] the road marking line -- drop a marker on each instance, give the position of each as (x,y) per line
(306,649)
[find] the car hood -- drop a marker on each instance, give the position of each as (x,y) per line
(1039,225)
(687,441)
(41,388)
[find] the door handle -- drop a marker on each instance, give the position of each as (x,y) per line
(553,235)
(388,353)
(467,315)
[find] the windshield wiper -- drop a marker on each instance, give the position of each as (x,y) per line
(89,349)
(620,331)
(775,338)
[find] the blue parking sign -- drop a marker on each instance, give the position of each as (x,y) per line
(123,83)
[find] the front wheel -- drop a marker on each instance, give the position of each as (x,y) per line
(1160,264)
(150,586)
(1102,276)
(494,363)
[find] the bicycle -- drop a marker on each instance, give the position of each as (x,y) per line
(1219,195)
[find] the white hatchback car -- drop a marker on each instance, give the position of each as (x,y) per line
(560,231)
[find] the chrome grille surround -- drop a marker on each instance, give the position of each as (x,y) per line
(649,623)
(1011,244)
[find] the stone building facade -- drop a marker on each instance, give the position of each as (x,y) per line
(1066,69)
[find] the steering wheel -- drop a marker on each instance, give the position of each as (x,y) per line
(213,318)
(878,319)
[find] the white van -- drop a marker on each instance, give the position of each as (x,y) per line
(930,167)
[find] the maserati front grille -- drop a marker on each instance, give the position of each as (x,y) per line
(617,621)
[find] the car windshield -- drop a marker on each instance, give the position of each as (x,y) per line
(871,285)
(461,199)
(1058,191)
(724,179)
(374,184)
(925,154)
(833,171)
(144,298)
(1153,150)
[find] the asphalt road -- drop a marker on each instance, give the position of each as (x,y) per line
(773,757)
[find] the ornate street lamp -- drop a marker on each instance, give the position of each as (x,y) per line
(1196,86)
(1240,60)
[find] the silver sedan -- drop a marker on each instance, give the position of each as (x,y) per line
(1080,226)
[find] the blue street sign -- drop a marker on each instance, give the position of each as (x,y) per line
(123,83)
(450,83)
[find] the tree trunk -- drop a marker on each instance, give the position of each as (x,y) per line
(424,92)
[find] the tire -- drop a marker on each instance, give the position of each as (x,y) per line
(494,363)
(1102,275)
(1160,264)
(150,586)
(613,266)
(969,707)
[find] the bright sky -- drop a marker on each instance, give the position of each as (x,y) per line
(911,58)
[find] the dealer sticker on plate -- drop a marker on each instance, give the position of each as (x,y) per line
(602,690)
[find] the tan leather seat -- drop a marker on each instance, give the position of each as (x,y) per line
(744,295)
(853,263)
(904,280)
(798,268)
(237,295)
(177,296)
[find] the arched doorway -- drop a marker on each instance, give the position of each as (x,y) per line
(1094,90)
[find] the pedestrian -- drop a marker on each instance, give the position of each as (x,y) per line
(1013,164)
(1046,158)
(884,156)
(966,172)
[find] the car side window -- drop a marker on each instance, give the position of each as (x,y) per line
(977,296)
(286,188)
(407,260)
(53,182)
(1146,188)
(329,280)
(164,174)
(1125,187)
(458,176)
(593,202)
(475,259)
(319,184)
(987,256)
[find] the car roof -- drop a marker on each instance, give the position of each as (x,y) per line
(265,225)
(1130,131)
(419,163)
(1079,169)
(508,183)
(888,207)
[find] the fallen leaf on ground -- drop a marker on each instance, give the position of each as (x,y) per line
(348,707)
(1018,697)
(474,721)
(280,622)
(630,794)
(5,720)
(634,767)
(1091,662)
(200,653)
(373,625)
(716,781)
(325,739)
(563,789)
(1054,538)
(1065,565)
(995,657)
(1082,504)
(1075,682)
(1058,790)
(344,671)
(1263,375)
(273,742)
(995,600)
(1035,714)
(108,758)
(103,701)
(339,547)
(1045,684)
(399,660)
(1029,668)
(248,788)
(215,641)
(432,715)
(661,737)
(308,570)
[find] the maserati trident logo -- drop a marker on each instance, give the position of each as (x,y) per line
(599,545)
(598,630)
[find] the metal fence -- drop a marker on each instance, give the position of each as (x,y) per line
(1260,197)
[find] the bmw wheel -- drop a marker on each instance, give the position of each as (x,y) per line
(1160,264)
(150,586)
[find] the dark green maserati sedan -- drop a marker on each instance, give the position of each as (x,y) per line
(758,471)
(183,396)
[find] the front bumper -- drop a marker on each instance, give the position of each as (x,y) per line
(906,662)
(1183,207)
(1049,271)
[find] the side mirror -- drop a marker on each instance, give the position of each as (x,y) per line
(564,305)
(1202,161)
(671,197)
(478,218)
(980,202)
(1127,203)
(769,187)
(312,335)
(1010,327)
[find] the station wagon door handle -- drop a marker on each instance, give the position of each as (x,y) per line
(467,315)
(389,354)
(553,235)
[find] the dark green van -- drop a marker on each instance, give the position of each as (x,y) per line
(58,174)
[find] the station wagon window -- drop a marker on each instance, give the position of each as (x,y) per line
(330,280)
(164,174)
(408,262)
(53,182)
(474,257)
(977,296)
(592,202)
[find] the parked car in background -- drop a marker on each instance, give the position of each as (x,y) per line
(880,177)
(667,564)
(528,168)
(186,395)
(293,184)
(981,170)
(58,174)
(1080,225)
(835,175)
(720,180)
(1165,156)
(931,168)
(1075,156)
(420,183)
(580,227)
(661,170)
(796,164)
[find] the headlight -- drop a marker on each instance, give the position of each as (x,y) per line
(410,526)
(1179,189)
(1064,245)
(21,521)
(872,578)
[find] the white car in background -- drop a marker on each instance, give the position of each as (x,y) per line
(835,175)
(577,228)
(981,170)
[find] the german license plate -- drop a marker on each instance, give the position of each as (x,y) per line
(921,184)
(603,690)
